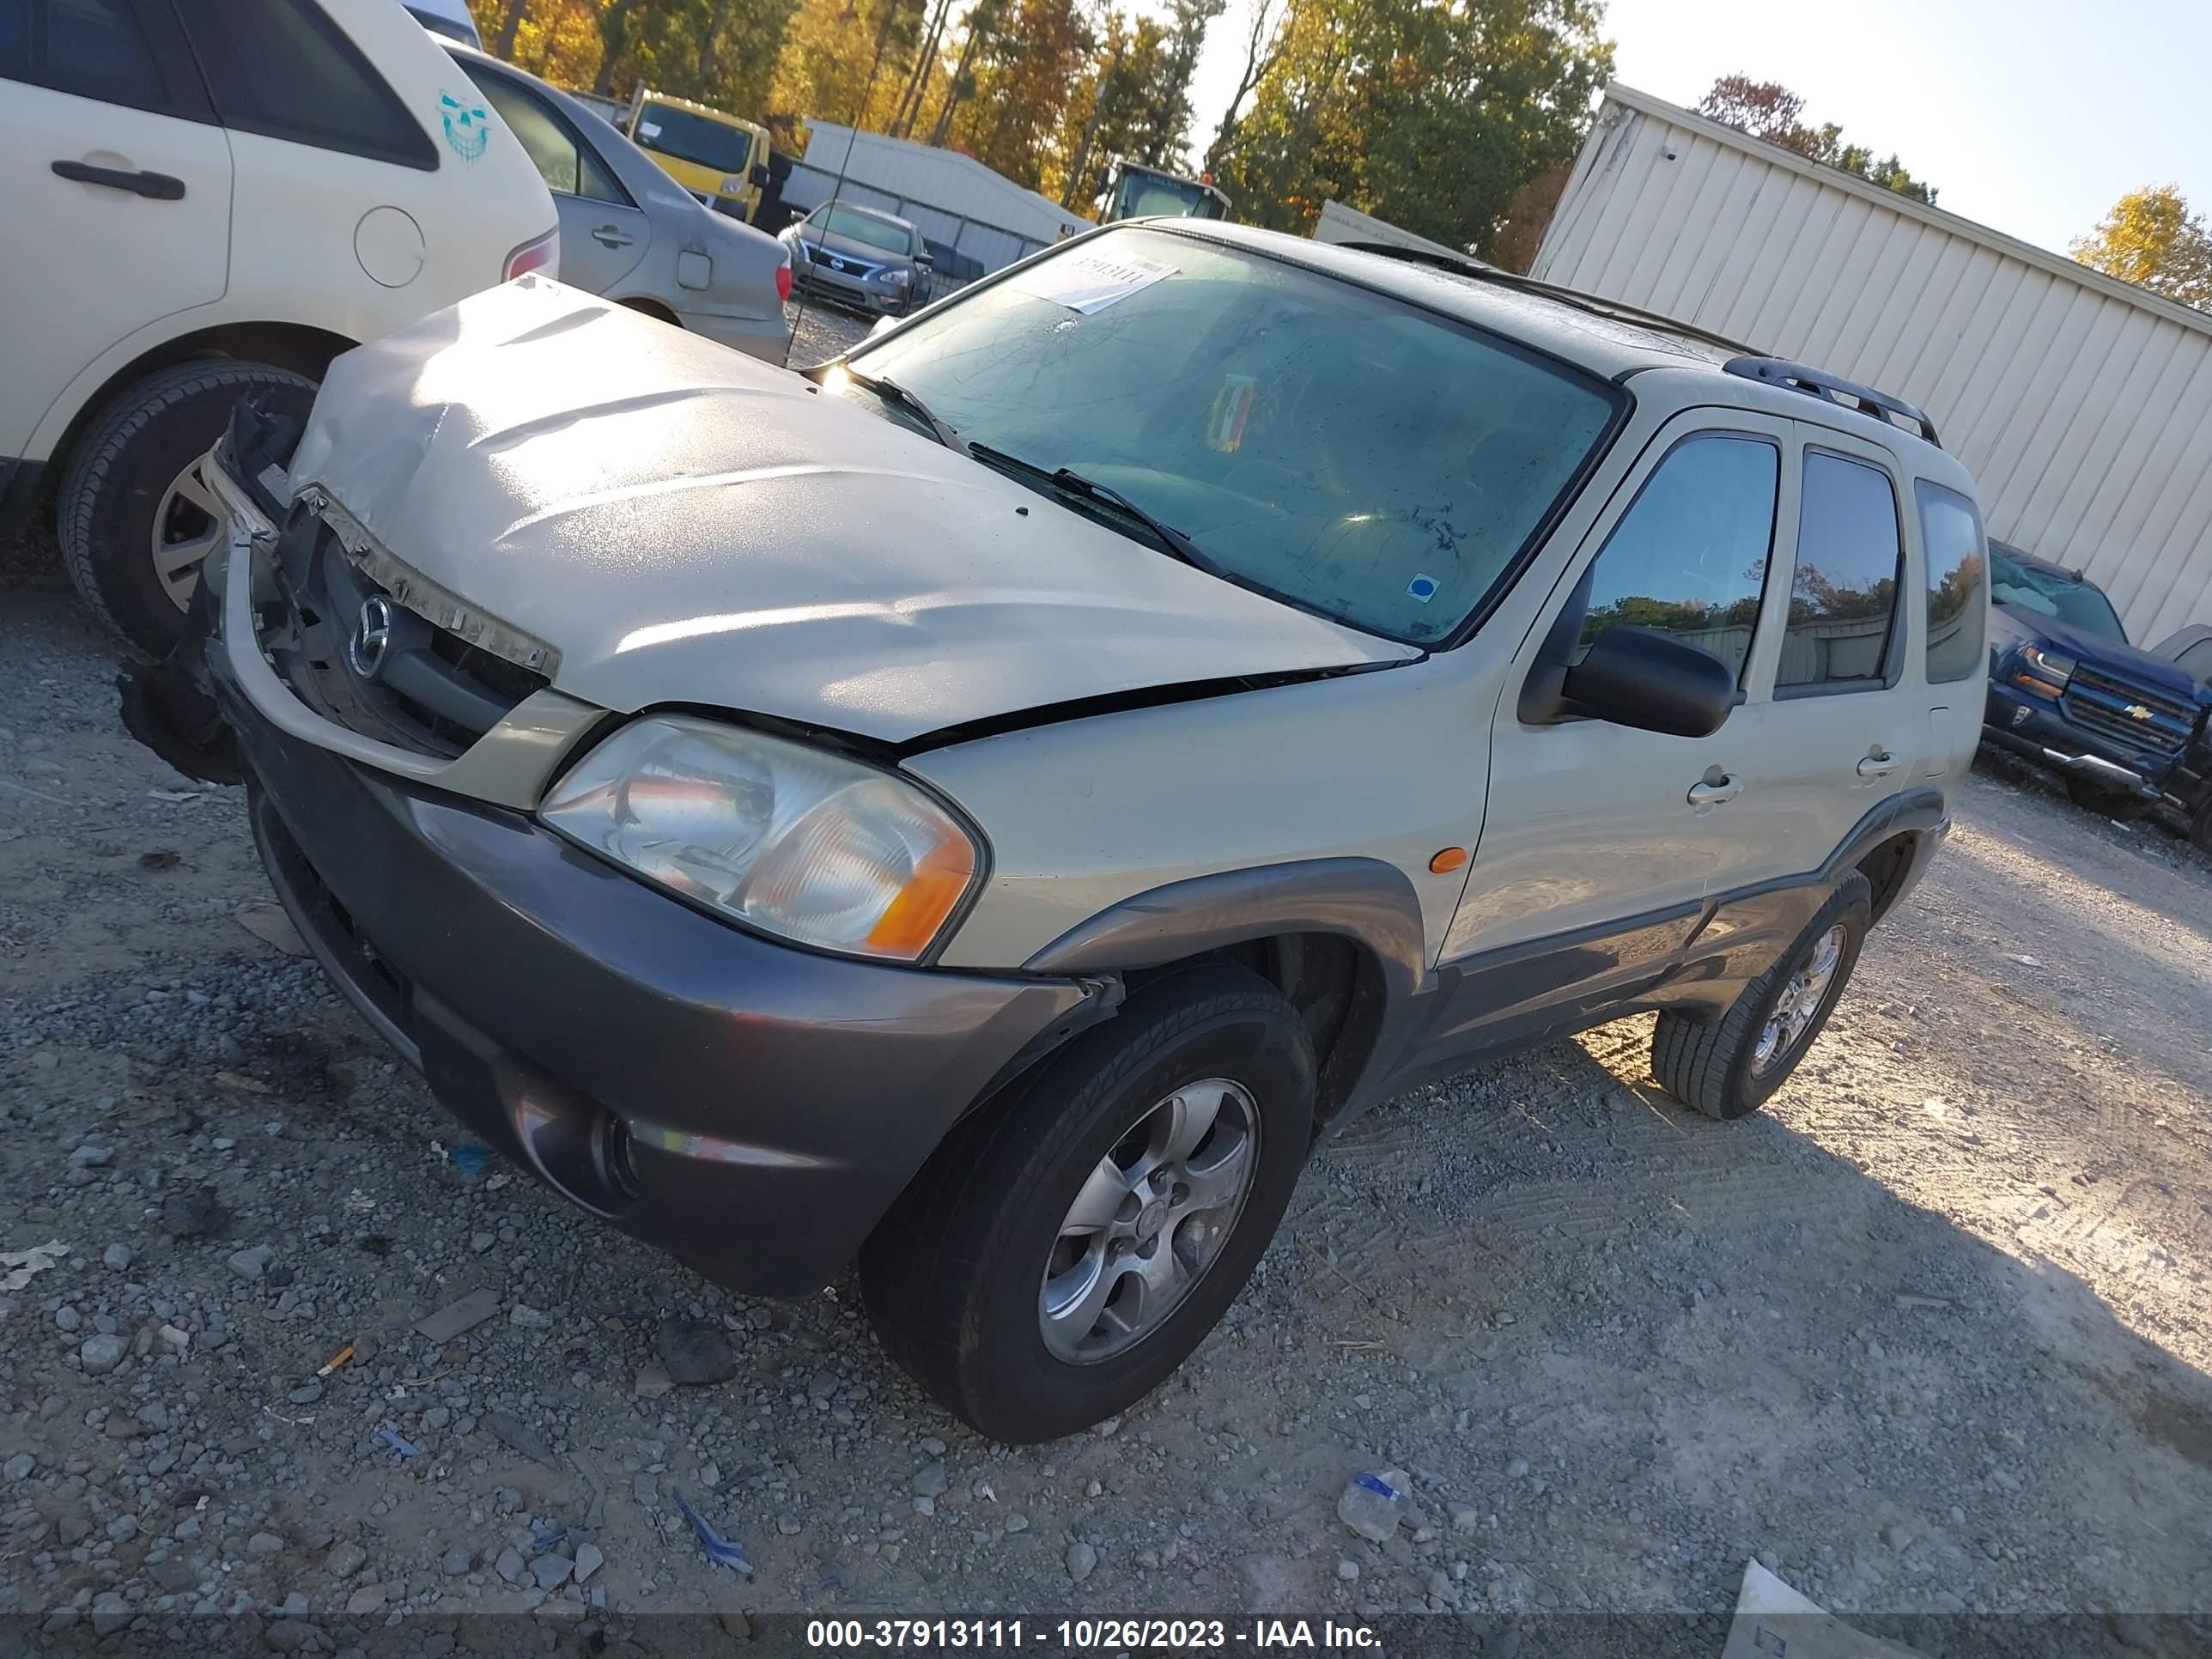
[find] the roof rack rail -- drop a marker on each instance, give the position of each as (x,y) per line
(1831,388)
(1597,304)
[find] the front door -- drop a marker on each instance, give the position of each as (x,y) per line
(1601,842)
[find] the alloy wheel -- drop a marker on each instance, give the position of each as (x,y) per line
(187,528)
(1151,1216)
(1801,1000)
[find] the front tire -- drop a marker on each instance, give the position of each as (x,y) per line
(135,522)
(1066,1249)
(1726,1068)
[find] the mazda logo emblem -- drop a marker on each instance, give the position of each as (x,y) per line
(372,638)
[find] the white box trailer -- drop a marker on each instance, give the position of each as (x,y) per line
(2083,404)
(952,198)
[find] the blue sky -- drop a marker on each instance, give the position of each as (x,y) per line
(2030,116)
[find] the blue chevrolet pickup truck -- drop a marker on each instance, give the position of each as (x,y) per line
(2126,726)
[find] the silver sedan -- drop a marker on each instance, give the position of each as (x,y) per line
(631,233)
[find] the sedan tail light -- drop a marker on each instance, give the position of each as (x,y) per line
(783,278)
(538,253)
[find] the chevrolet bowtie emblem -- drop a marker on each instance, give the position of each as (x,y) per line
(2136,711)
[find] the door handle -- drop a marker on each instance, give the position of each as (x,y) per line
(609,236)
(1712,794)
(160,186)
(1880,765)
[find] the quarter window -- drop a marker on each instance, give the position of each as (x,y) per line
(282,69)
(567,164)
(1957,578)
(1843,596)
(1689,557)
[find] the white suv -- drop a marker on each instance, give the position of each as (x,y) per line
(207,196)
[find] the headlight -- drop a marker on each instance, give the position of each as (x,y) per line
(2055,668)
(791,840)
(898,278)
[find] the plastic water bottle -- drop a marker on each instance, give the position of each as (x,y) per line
(1372,1506)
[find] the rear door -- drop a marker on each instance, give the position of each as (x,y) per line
(116,193)
(603,234)
(1845,720)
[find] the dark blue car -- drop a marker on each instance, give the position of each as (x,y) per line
(2126,726)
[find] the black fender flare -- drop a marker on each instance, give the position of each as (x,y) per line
(1362,899)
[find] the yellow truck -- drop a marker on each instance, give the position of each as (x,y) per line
(720,158)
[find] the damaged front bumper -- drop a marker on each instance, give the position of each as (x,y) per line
(752,1107)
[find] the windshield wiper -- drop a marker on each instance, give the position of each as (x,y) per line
(1072,483)
(892,392)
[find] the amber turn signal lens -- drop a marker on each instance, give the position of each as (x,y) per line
(1448,860)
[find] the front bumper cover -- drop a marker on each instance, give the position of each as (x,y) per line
(752,1107)
(2030,727)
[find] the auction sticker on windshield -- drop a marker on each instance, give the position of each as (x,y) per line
(1090,280)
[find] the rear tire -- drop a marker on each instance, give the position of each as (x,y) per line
(1054,1261)
(133,522)
(1726,1068)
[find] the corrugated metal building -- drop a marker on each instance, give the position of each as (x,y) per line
(2082,404)
(952,198)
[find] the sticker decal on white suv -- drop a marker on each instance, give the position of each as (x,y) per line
(467,129)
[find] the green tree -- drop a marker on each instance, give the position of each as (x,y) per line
(2151,238)
(1430,115)
(1771,112)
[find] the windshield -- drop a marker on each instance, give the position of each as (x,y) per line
(1337,449)
(863,227)
(2077,604)
(695,138)
(1147,196)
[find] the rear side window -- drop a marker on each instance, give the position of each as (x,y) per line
(1958,577)
(282,69)
(95,49)
(566,163)
(1843,598)
(1689,557)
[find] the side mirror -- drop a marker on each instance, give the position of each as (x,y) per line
(924,261)
(759,175)
(1653,682)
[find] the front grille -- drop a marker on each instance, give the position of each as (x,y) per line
(2099,702)
(376,667)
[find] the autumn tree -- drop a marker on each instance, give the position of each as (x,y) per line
(1773,114)
(2151,238)
(1430,115)
(1017,94)
(1262,27)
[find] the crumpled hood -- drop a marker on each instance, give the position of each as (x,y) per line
(683,524)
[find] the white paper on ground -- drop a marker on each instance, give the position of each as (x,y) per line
(1088,281)
(1773,1621)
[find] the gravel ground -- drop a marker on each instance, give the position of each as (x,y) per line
(821,330)
(1928,1336)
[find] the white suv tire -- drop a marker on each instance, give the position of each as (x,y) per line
(119,492)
